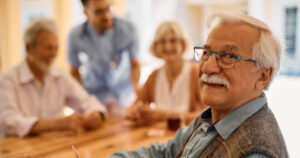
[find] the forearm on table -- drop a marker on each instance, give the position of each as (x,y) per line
(46,125)
(159,149)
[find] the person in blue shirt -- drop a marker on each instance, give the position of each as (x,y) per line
(237,63)
(103,54)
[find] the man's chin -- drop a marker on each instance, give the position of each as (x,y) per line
(107,25)
(45,68)
(211,100)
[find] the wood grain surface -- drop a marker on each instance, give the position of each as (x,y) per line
(115,134)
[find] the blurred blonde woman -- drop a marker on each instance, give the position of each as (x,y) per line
(172,90)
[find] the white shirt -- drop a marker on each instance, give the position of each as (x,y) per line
(24,100)
(178,98)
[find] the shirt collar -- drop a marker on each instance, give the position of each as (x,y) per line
(93,31)
(27,76)
(228,124)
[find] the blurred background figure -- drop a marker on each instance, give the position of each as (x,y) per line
(105,47)
(170,91)
(34,92)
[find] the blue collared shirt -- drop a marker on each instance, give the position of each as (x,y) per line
(104,59)
(203,136)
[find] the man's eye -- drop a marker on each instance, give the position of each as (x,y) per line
(228,55)
(206,52)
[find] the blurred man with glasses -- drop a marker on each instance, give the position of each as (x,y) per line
(237,63)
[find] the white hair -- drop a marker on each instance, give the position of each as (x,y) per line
(266,51)
(36,26)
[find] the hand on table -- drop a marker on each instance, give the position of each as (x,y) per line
(73,123)
(93,120)
(155,114)
(133,112)
(143,113)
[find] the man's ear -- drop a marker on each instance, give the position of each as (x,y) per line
(264,78)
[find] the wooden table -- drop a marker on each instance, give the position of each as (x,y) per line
(114,135)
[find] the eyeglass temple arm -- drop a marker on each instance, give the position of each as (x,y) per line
(246,59)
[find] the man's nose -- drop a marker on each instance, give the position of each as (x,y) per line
(211,66)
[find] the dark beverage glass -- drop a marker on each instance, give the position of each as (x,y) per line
(174,123)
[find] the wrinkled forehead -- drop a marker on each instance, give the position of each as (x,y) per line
(239,36)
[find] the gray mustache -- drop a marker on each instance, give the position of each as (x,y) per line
(215,79)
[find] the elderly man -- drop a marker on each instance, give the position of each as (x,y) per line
(34,93)
(105,49)
(237,62)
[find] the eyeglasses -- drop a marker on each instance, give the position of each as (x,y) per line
(224,60)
